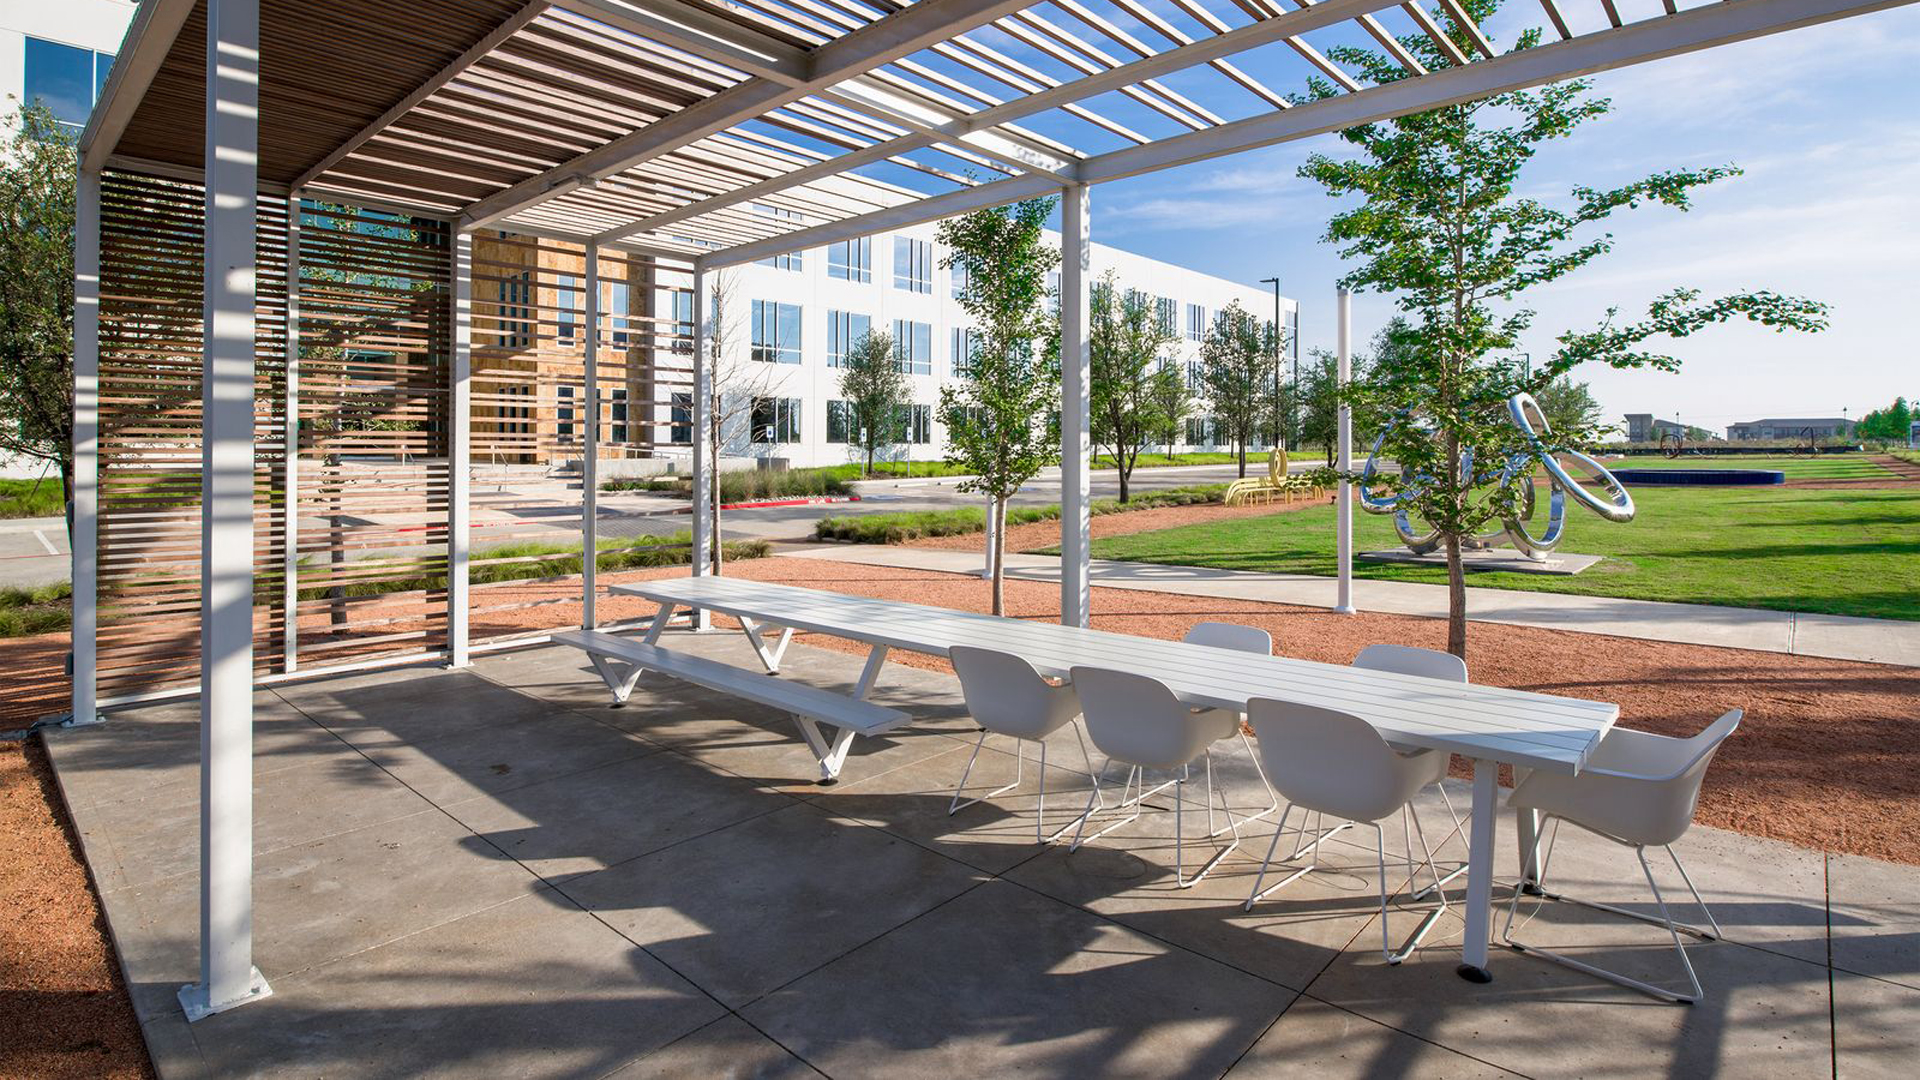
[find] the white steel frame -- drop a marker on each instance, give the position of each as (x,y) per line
(895,89)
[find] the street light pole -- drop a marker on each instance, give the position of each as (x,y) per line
(1285,437)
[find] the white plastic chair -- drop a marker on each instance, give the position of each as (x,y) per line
(1247,639)
(1334,763)
(1006,696)
(1427,664)
(1638,790)
(1137,721)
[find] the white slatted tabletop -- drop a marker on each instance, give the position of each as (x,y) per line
(1532,730)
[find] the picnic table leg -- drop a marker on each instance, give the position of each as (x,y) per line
(1529,831)
(871,673)
(831,756)
(1486,807)
(660,620)
(620,683)
(771,658)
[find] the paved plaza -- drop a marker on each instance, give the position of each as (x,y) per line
(492,873)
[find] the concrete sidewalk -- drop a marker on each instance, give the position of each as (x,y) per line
(1883,641)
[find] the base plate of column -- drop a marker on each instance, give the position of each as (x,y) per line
(193,997)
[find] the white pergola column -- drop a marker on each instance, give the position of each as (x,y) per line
(1076,410)
(703,466)
(85,521)
(590,446)
(460,454)
(227,975)
(290,505)
(1343,514)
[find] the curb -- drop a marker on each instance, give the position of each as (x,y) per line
(811,500)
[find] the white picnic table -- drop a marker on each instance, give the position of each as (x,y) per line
(1488,725)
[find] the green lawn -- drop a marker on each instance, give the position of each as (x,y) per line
(1824,467)
(1840,552)
(32,498)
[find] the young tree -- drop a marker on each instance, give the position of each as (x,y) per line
(997,417)
(738,382)
(874,388)
(1172,402)
(1571,411)
(1236,366)
(36,292)
(1125,342)
(1440,226)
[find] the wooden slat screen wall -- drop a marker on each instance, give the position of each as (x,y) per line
(373,398)
(530,408)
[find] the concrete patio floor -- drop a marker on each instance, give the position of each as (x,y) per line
(492,873)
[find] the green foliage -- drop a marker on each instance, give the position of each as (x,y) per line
(32,498)
(37,181)
(1237,374)
(539,560)
(960,521)
(875,387)
(1891,424)
(1437,222)
(1571,412)
(42,610)
(1124,342)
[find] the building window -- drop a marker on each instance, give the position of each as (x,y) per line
(1053,291)
(913,347)
(776,420)
(776,332)
(1196,374)
(844,331)
(513,417)
(683,328)
(680,421)
(564,412)
(567,299)
(965,340)
(619,308)
(958,272)
(915,423)
(839,422)
(619,416)
(1201,431)
(1196,322)
(851,260)
(789,260)
(1164,310)
(912,264)
(516,312)
(67,80)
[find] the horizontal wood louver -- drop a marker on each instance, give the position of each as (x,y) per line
(372,501)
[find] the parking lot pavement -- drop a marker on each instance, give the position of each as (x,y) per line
(33,552)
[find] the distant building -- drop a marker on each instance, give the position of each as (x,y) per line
(1645,427)
(1824,427)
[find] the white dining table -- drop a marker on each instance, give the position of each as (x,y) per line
(1488,725)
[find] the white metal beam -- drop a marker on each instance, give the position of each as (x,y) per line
(149,39)
(1251,36)
(704,466)
(84,524)
(227,975)
(460,455)
(590,445)
(1076,417)
(513,25)
(1343,528)
(1673,35)
(702,33)
(902,33)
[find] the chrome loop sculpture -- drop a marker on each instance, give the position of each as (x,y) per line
(1613,502)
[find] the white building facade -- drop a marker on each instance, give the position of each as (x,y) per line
(59,51)
(798,313)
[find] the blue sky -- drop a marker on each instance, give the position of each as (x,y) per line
(1823,120)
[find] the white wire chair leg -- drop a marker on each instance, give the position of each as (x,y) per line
(1272,795)
(1439,881)
(1095,802)
(1019,766)
(1179,839)
(1664,920)
(1133,774)
(1257,893)
(1393,956)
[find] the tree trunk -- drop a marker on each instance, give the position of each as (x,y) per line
(713,493)
(999,512)
(869,472)
(1242,448)
(1456,599)
(1125,468)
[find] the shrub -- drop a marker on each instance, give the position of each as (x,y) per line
(40,610)
(962,520)
(32,498)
